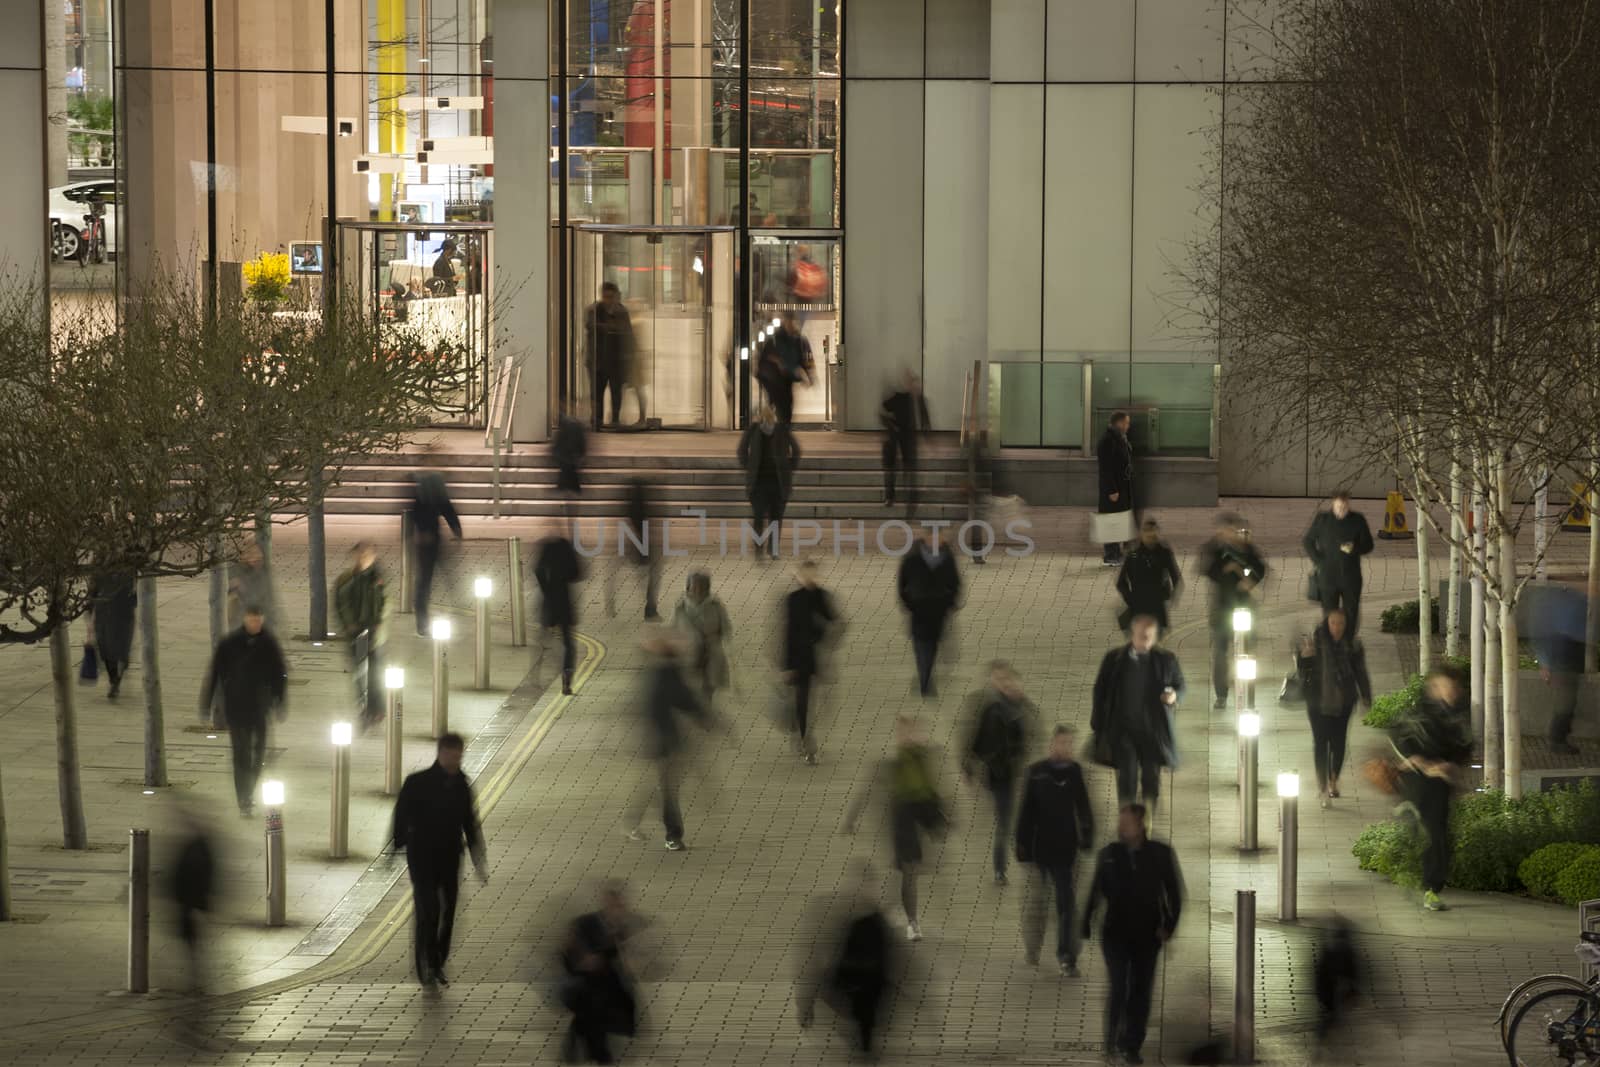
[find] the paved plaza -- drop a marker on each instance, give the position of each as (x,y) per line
(729,928)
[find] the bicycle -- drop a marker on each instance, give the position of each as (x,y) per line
(1559,1017)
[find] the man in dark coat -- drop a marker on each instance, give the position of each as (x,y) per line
(1115,457)
(1234,568)
(608,337)
(929,587)
(667,697)
(905,418)
(435,820)
(568,449)
(114,601)
(1001,722)
(1149,578)
(1335,542)
(636,544)
(193,884)
(769,455)
(785,358)
(598,989)
(361,602)
(430,507)
(808,614)
(1139,882)
(851,965)
(1054,825)
(249,673)
(556,569)
(1136,695)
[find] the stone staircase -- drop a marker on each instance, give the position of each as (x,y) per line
(827,486)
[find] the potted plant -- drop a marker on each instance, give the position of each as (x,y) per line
(266,278)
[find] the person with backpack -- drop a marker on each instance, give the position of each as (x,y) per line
(360,604)
(1002,723)
(1055,824)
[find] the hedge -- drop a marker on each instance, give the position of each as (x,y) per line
(1539,871)
(1405,617)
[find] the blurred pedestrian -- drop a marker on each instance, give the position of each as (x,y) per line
(1234,568)
(701,618)
(112,601)
(1557,633)
(1136,696)
(1115,456)
(1138,881)
(1333,676)
(979,486)
(1336,541)
(1055,824)
(430,507)
(809,619)
(361,607)
(250,582)
(249,674)
(904,415)
(193,885)
(930,588)
(435,820)
(909,779)
(637,549)
(598,988)
(1149,578)
(556,569)
(568,449)
(667,699)
(1433,742)
(608,338)
(785,358)
(851,965)
(1338,976)
(769,454)
(1001,724)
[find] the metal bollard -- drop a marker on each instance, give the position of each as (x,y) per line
(519,613)
(405,562)
(1249,780)
(1244,976)
(138,911)
(394,683)
(277,876)
(1288,844)
(441,677)
(482,589)
(339,805)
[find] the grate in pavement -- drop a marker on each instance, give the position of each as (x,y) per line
(74,886)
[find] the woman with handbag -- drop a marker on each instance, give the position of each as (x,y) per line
(1333,676)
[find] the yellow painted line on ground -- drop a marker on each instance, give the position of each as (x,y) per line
(378,938)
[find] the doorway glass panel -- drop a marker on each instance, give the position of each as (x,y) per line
(798,275)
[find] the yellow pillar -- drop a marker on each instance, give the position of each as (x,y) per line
(391,86)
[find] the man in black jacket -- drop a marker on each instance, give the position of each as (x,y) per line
(904,415)
(808,615)
(1149,578)
(1002,722)
(248,672)
(1336,541)
(929,587)
(430,507)
(635,546)
(1115,455)
(769,454)
(598,989)
(1135,696)
(666,697)
(1233,566)
(1139,882)
(1055,824)
(608,339)
(434,817)
(556,569)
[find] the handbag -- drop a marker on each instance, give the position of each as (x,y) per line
(1100,753)
(89,669)
(1314,587)
(1111,527)
(1293,692)
(1383,773)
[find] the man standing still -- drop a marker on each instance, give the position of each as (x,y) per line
(1000,732)
(769,454)
(1135,697)
(905,417)
(434,817)
(1139,882)
(807,616)
(1336,541)
(430,507)
(249,672)
(1115,457)
(1055,824)
(608,336)
(929,587)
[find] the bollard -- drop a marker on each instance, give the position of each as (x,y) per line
(394,683)
(1244,976)
(519,614)
(441,677)
(339,813)
(482,589)
(277,877)
(138,911)
(405,562)
(1288,844)
(1249,781)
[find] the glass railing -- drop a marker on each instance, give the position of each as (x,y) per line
(1062,399)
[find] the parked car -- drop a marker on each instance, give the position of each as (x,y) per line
(68,206)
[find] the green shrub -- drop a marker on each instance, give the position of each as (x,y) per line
(1540,870)
(1387,709)
(1580,880)
(1403,618)
(1392,849)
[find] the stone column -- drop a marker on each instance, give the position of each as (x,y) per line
(24,229)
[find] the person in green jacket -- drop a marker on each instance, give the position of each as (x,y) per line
(360,604)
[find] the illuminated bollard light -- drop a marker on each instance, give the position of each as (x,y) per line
(272,797)
(339,803)
(394,684)
(1249,781)
(1288,844)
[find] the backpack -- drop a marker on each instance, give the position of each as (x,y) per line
(912,782)
(810,280)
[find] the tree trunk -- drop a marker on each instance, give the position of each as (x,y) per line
(1458,532)
(1493,724)
(1591,654)
(74,834)
(1475,630)
(1425,596)
(273,606)
(155,721)
(5,865)
(317,557)
(217,603)
(1541,528)
(1510,649)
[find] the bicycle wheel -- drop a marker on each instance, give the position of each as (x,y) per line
(1527,991)
(1558,1026)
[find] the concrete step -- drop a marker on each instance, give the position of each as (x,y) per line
(463,476)
(552,508)
(618,494)
(539,457)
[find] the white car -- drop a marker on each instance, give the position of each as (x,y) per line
(68,206)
